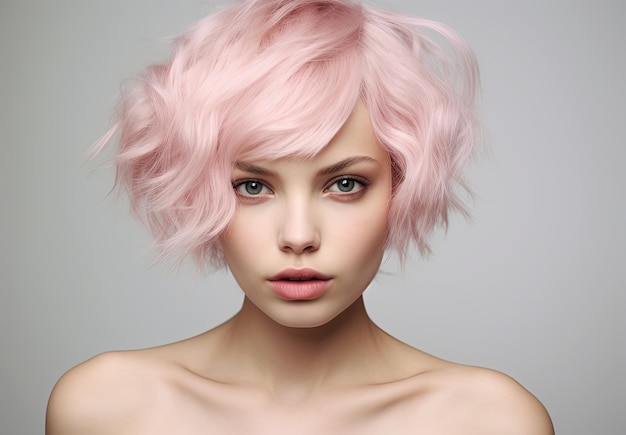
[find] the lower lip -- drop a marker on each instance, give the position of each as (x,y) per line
(300,290)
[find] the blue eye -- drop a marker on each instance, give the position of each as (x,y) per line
(251,188)
(346,185)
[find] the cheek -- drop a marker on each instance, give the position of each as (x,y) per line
(363,229)
(243,237)
(358,249)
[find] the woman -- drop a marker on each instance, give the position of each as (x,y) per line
(296,142)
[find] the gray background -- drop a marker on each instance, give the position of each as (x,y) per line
(533,286)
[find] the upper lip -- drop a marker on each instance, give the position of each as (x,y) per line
(299,274)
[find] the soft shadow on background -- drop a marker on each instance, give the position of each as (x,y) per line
(533,286)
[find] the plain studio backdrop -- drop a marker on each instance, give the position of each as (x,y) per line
(532,286)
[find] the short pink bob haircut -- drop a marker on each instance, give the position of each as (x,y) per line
(271,79)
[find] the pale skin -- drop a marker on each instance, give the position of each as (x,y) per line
(284,366)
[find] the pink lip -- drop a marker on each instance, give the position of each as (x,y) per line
(299,284)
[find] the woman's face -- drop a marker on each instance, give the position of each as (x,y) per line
(308,236)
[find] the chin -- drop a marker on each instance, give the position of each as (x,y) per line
(300,320)
(307,314)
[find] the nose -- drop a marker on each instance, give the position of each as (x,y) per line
(299,232)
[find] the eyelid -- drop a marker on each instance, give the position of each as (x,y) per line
(362,180)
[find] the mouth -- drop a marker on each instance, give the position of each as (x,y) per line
(299,284)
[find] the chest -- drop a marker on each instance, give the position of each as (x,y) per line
(336,415)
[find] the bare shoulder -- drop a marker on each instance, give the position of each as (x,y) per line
(101,395)
(482,401)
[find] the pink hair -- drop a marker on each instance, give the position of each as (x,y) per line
(266,79)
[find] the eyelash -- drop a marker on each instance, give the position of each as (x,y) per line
(361,185)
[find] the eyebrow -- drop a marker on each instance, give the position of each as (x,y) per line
(343,164)
(332,169)
(253,169)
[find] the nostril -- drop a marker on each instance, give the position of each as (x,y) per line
(299,245)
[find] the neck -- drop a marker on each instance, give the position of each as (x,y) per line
(296,362)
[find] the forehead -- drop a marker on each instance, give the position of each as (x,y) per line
(356,136)
(355,140)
